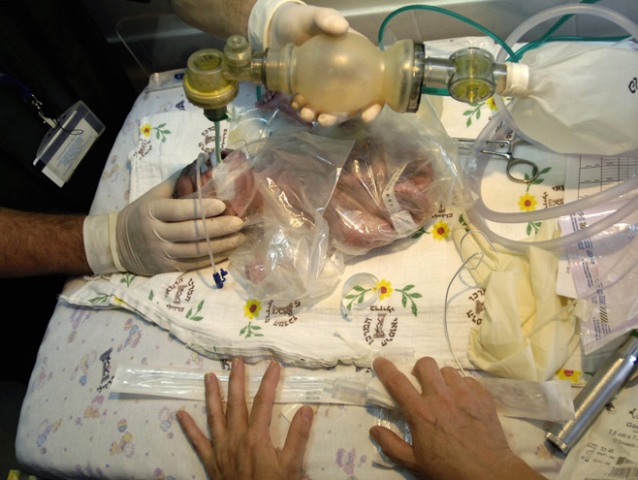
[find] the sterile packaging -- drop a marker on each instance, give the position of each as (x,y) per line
(605,271)
(548,400)
(189,385)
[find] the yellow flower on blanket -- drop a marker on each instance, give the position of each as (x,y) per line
(384,288)
(358,294)
(573,376)
(252,308)
(440,230)
(146,129)
(527,202)
(160,131)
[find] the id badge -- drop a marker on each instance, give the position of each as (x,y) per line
(63,148)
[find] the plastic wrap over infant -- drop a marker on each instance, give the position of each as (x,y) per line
(313,197)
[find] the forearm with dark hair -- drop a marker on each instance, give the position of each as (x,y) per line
(218,18)
(38,244)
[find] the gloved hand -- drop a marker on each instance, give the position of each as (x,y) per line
(295,22)
(275,23)
(157,233)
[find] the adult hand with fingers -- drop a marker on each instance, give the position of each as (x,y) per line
(276,23)
(158,233)
(309,113)
(456,432)
(240,447)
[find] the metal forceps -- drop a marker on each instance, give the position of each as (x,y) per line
(505,150)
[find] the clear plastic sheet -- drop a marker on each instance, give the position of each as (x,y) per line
(400,172)
(312,197)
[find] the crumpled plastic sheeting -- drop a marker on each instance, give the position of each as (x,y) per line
(528,331)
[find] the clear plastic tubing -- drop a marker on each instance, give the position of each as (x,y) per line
(574,9)
(611,193)
(560,242)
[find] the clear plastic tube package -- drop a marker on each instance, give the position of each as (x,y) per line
(550,400)
(604,270)
(538,400)
(189,385)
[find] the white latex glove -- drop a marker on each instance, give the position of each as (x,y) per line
(275,23)
(157,233)
(528,331)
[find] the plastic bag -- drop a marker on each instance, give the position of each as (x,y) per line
(400,172)
(280,185)
(287,255)
(310,198)
(580,98)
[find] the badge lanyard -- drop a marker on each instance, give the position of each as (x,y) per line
(26,95)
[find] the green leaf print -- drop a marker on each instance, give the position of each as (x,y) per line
(193,315)
(250,330)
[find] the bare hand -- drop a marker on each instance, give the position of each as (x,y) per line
(240,447)
(456,433)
